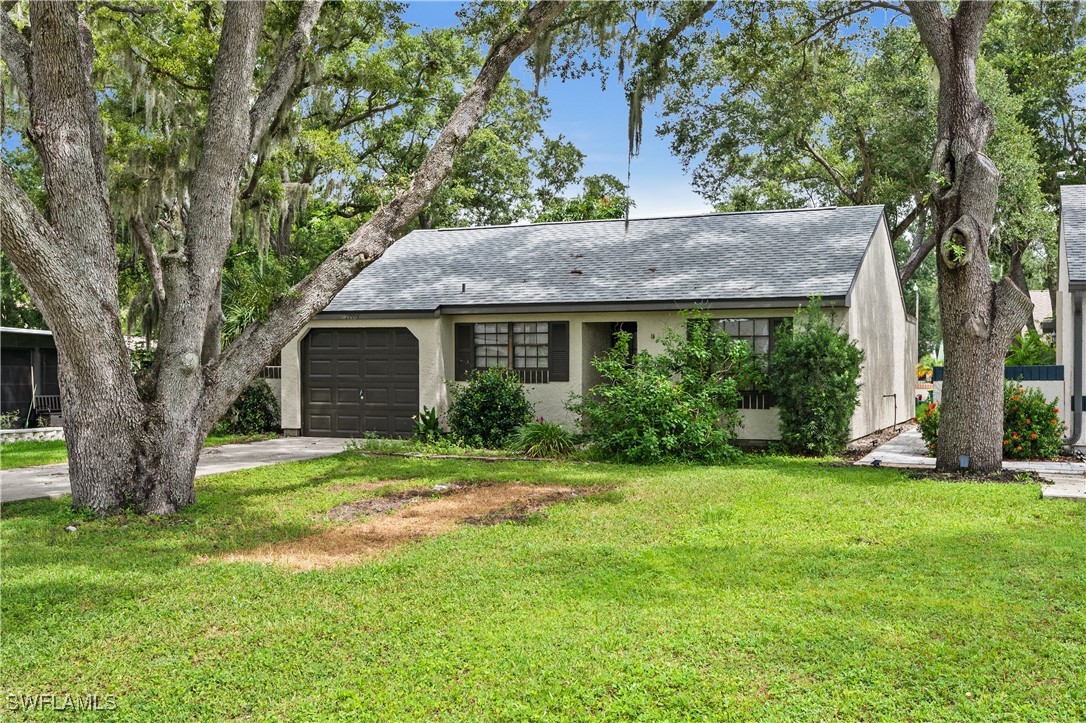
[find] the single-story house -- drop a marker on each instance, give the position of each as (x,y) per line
(1069,321)
(28,372)
(547,298)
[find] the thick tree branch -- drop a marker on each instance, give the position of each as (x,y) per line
(27,238)
(135,11)
(850,10)
(150,255)
(243,359)
(916,258)
(67,132)
(275,93)
(970,22)
(835,175)
(15,51)
(370,112)
(903,225)
(935,32)
(191,275)
(227,133)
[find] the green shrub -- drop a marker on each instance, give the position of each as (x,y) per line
(489,409)
(681,405)
(255,411)
(814,371)
(544,439)
(426,427)
(1031,349)
(928,420)
(1031,425)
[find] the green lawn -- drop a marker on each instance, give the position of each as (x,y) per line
(773,590)
(29,454)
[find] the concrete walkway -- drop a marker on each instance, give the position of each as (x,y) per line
(51,480)
(1064,480)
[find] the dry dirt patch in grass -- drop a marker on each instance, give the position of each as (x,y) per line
(401,517)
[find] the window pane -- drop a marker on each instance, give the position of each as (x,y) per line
(731,327)
(761,327)
(761,345)
(746,327)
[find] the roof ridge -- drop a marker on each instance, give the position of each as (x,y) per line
(659,218)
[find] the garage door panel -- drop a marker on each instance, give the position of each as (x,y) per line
(348,423)
(348,340)
(376,399)
(377,368)
(321,339)
(338,363)
(347,368)
(346,396)
(405,397)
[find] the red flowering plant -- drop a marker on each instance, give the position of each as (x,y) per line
(928,420)
(1032,428)
(1031,424)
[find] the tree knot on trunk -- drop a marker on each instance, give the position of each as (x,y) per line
(956,245)
(189,362)
(979,325)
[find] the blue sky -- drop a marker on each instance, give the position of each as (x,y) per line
(595,121)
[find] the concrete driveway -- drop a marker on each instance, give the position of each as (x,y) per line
(51,480)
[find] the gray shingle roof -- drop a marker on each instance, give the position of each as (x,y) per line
(718,257)
(1073,226)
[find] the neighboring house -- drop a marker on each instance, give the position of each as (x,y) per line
(1069,322)
(547,298)
(28,372)
(1043,319)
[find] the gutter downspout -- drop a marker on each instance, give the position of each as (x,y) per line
(1076,382)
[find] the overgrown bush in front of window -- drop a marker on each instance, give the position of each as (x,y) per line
(681,405)
(814,371)
(488,410)
(1032,428)
(544,439)
(255,411)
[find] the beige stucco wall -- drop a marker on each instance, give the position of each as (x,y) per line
(877,321)
(437,360)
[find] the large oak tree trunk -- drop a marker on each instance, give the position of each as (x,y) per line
(136,445)
(979,316)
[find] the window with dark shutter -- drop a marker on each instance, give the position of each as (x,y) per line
(537,351)
(465,351)
(559,351)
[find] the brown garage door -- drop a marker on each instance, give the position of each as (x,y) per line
(360,381)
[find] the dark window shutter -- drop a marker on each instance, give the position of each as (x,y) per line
(465,351)
(774,328)
(558,351)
